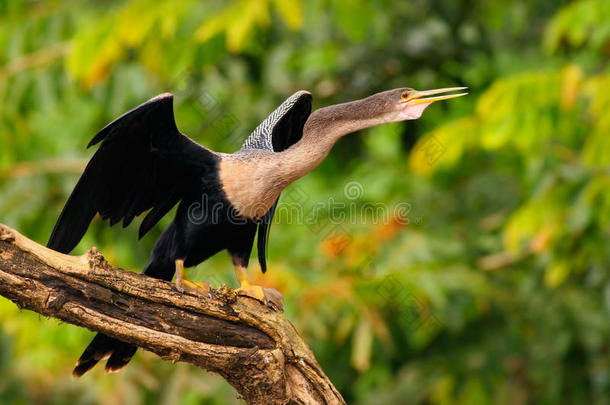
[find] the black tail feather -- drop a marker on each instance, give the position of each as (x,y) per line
(82,368)
(100,347)
(120,353)
(120,357)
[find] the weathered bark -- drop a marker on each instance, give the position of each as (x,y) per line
(256,349)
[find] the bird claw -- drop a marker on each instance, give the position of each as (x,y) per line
(196,288)
(268,296)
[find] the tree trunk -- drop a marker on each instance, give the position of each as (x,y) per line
(255,348)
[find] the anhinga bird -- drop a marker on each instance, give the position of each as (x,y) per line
(145,163)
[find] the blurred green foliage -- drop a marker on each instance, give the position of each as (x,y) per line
(498,288)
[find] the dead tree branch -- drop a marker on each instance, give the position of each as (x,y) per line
(256,349)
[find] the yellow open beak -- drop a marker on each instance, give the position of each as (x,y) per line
(419,97)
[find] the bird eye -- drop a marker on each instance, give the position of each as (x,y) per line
(405,95)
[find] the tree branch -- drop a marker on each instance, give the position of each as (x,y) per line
(256,349)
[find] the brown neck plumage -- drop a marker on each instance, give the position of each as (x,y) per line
(323,129)
(253,185)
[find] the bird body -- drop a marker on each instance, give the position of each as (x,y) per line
(252,181)
(145,164)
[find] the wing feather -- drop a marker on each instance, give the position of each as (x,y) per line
(262,242)
(280,130)
(143,163)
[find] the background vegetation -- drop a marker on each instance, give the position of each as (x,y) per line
(493,286)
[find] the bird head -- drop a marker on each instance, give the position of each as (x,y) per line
(413,102)
(327,124)
(406,103)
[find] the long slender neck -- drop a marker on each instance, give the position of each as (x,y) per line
(326,125)
(323,129)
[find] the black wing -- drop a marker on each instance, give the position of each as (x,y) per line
(262,241)
(143,162)
(284,126)
(280,130)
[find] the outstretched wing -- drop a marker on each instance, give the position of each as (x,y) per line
(143,162)
(280,130)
